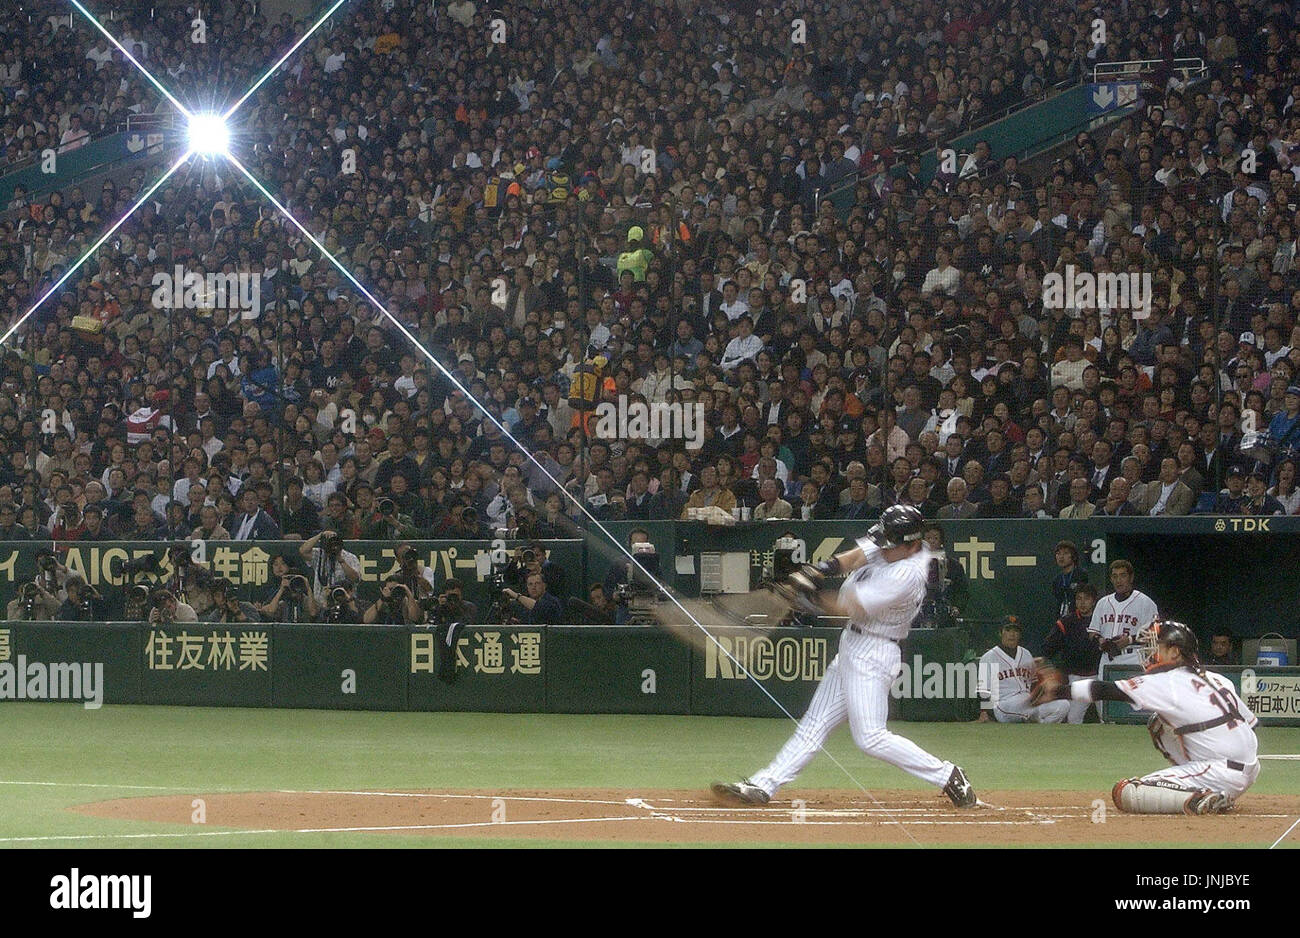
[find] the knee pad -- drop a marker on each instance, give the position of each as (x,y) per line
(1155,796)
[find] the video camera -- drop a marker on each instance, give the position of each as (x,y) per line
(641,575)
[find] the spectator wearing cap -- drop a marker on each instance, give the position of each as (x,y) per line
(1232,495)
(1256,500)
(1284,428)
(635,257)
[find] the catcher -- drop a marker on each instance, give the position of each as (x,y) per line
(1200,725)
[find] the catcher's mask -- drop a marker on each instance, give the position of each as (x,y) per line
(898,525)
(1169,633)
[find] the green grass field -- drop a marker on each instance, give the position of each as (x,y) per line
(59,755)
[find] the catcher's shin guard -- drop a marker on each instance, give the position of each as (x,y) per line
(1135,796)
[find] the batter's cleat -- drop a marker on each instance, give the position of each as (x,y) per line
(1208,802)
(959,789)
(741,793)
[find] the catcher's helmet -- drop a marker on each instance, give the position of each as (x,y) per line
(898,525)
(1167,632)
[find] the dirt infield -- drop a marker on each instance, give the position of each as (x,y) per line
(898,818)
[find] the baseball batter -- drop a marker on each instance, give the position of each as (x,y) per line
(881,595)
(1200,725)
(1118,617)
(1007,673)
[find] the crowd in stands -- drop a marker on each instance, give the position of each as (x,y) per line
(638,191)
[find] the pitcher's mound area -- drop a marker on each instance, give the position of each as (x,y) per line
(1010,818)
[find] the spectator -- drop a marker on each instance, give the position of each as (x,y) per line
(771,506)
(1117,503)
(958,507)
(1079,508)
(1168,496)
(1257,501)
(1222,651)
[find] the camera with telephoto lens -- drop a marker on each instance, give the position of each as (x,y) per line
(338,605)
(331,543)
(387,506)
(136,605)
(408,556)
(469,516)
(146,564)
(393,596)
(297,586)
(28,594)
(46,564)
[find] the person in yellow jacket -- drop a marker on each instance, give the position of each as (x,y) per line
(636,258)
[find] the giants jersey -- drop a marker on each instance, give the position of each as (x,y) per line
(883,598)
(1113,618)
(1207,720)
(1003,676)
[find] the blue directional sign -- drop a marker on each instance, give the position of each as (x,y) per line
(1112,96)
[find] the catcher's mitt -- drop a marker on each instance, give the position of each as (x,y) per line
(1048,680)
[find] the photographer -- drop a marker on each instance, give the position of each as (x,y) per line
(600,610)
(34,603)
(189,583)
(387,524)
(452,606)
(50,574)
(618,584)
(291,600)
(462,523)
(395,606)
(340,607)
(414,574)
(538,607)
(331,565)
(531,558)
(226,607)
(165,609)
(84,604)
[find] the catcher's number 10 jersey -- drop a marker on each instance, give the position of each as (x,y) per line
(1206,717)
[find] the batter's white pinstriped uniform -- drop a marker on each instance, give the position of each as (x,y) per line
(882,599)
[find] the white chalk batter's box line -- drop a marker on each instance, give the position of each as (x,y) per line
(913,812)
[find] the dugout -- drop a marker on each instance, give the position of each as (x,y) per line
(1237,572)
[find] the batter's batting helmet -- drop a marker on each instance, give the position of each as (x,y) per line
(898,525)
(1173,634)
